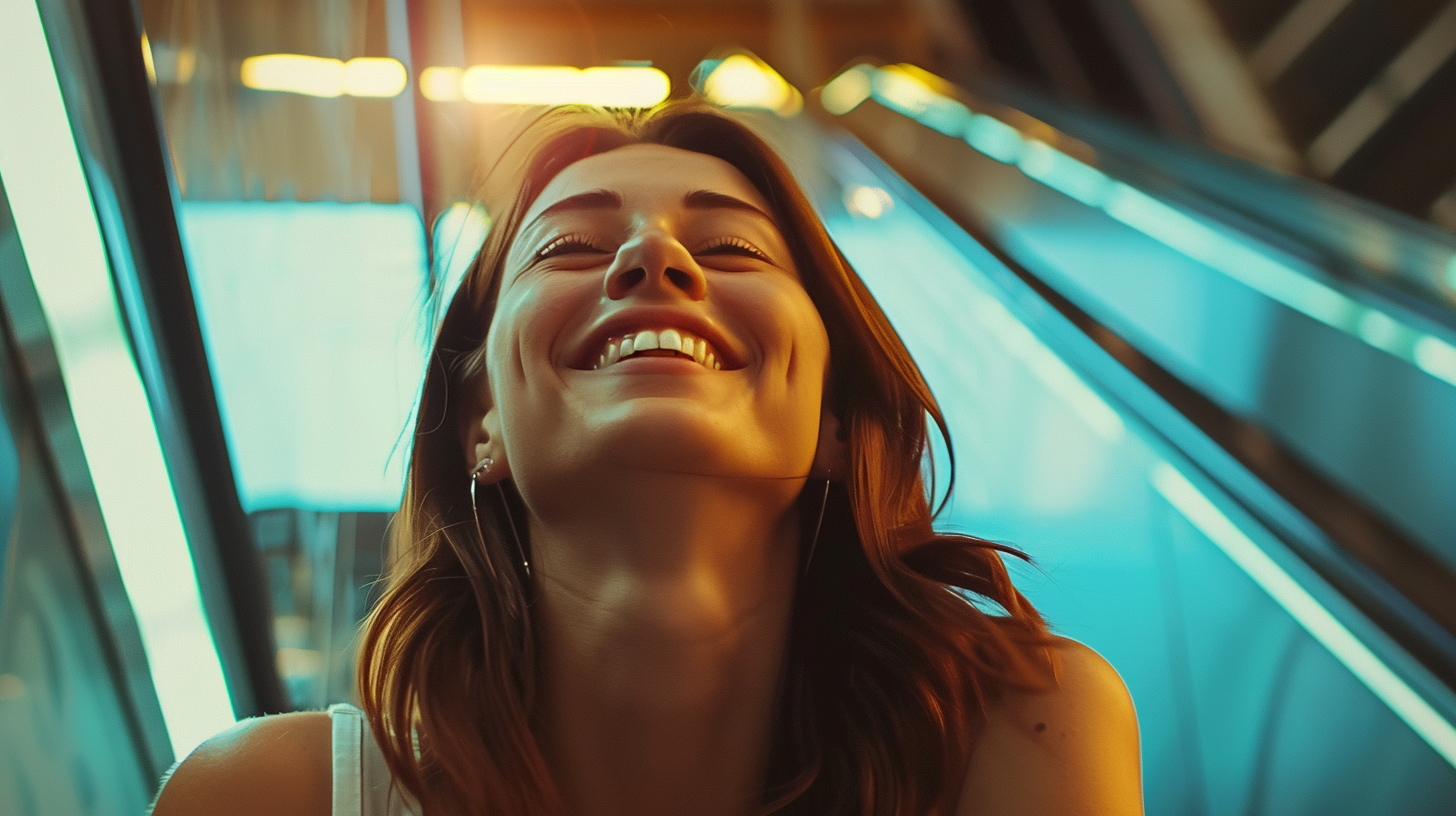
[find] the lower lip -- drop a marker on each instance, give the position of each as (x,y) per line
(654,365)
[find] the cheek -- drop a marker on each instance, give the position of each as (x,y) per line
(525,336)
(521,352)
(795,349)
(797,344)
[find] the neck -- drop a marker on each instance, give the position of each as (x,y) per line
(662,631)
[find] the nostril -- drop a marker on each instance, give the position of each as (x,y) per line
(632,277)
(680,279)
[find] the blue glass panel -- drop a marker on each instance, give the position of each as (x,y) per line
(313,315)
(1255,689)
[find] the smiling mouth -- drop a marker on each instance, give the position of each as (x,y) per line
(658,343)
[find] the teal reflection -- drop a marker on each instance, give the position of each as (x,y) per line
(994,138)
(1236,255)
(1242,662)
(1065,174)
(315,320)
(455,239)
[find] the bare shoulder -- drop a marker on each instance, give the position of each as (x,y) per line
(280,765)
(1069,750)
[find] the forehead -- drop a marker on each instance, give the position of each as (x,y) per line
(647,174)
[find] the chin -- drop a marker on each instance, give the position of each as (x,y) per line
(670,440)
(687,440)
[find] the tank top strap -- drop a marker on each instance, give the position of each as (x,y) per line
(362,783)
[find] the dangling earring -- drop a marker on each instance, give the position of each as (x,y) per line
(823,502)
(483,466)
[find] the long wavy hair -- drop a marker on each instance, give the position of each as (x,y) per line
(899,637)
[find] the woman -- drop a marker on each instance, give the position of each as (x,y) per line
(665,547)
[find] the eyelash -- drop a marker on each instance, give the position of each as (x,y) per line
(584,242)
(574,241)
(735,243)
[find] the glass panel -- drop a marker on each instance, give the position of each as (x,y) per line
(1227,641)
(312,313)
(71,743)
(313,290)
(1335,389)
(1240,659)
(108,448)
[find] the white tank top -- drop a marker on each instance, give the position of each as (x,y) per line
(362,782)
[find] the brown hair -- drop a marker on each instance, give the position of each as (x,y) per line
(892,655)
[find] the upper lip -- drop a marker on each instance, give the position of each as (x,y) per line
(637,318)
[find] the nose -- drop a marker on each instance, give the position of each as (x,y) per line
(655,263)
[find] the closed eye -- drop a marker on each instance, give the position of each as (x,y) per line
(568,245)
(731,245)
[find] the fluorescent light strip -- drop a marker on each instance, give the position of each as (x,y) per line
(442,83)
(899,90)
(1308,612)
(844,93)
(742,81)
(608,86)
(994,138)
(1261,272)
(380,77)
(1179,231)
(61,239)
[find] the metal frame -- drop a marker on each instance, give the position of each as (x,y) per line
(1419,649)
(97,50)
(1264,211)
(1328,549)
(124,658)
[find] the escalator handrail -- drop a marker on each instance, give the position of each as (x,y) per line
(1433,674)
(1302,216)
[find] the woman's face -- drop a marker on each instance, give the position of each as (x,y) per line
(651,319)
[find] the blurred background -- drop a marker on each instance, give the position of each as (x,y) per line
(1181,273)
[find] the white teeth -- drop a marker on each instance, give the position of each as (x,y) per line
(670,339)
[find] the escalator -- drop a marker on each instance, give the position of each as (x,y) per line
(1276,600)
(1168,322)
(81,729)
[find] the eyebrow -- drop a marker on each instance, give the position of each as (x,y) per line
(608,200)
(589,200)
(709,200)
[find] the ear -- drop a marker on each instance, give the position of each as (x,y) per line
(482,440)
(831,458)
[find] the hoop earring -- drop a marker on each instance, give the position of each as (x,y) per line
(484,467)
(818,525)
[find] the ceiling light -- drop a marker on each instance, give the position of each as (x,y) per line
(844,93)
(324,77)
(743,81)
(374,76)
(615,86)
(441,84)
